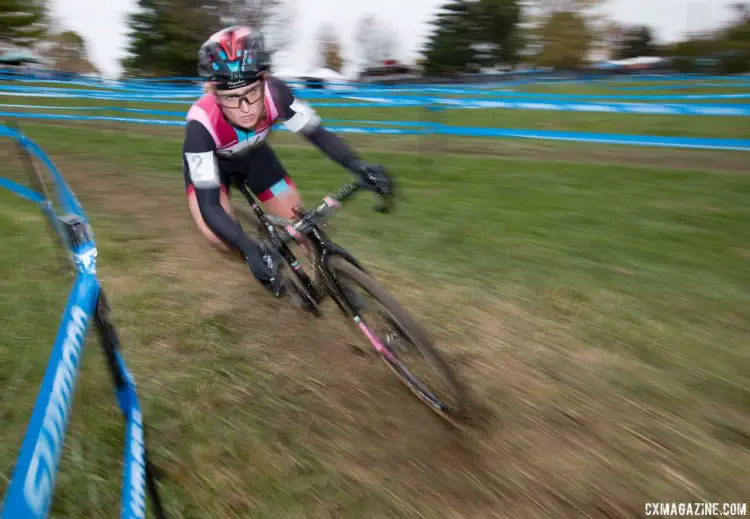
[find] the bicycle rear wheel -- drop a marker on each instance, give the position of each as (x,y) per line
(408,338)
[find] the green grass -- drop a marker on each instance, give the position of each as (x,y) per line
(562,207)
(29,308)
(620,378)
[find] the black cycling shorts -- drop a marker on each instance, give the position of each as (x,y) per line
(260,168)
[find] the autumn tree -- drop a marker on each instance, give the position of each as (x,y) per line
(329,47)
(564,32)
(69,52)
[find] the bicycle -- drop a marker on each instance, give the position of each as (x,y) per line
(29,493)
(332,266)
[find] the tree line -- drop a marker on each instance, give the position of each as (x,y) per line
(165,34)
(466,36)
(469,35)
(29,24)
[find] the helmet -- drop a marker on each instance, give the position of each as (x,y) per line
(233,57)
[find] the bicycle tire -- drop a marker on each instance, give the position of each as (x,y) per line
(418,337)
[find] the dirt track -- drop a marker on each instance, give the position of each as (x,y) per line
(551,440)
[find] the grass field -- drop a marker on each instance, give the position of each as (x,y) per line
(594,298)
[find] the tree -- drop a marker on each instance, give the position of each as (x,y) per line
(165,35)
(470,34)
(147,50)
(329,47)
(22,22)
(726,51)
(497,23)
(609,41)
(375,42)
(450,48)
(564,39)
(68,50)
(562,33)
(275,18)
(635,42)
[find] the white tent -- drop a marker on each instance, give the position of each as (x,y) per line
(639,61)
(332,79)
(287,73)
(326,74)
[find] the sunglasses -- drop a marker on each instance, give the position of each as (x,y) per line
(235,100)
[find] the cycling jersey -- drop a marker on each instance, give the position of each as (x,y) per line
(216,154)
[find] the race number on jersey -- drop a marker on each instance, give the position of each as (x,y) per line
(203,169)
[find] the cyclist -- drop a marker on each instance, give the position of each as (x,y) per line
(225,142)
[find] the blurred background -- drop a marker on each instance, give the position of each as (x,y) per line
(574,233)
(360,40)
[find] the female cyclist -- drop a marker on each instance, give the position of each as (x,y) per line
(225,143)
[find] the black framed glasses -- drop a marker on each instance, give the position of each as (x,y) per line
(235,100)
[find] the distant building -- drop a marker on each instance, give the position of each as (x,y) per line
(389,70)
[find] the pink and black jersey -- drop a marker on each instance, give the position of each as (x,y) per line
(216,154)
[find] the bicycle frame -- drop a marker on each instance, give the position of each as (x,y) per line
(308,227)
(30,492)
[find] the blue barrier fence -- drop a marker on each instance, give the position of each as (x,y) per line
(517,77)
(486,96)
(726,109)
(635,108)
(460,131)
(146,94)
(31,486)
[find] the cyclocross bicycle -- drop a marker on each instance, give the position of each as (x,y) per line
(337,274)
(32,483)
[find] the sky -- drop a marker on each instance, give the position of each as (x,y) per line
(102,23)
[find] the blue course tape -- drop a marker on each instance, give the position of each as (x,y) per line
(21,190)
(65,195)
(634,108)
(633,140)
(383,93)
(682,87)
(22,115)
(727,109)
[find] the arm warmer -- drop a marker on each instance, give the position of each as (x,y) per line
(333,146)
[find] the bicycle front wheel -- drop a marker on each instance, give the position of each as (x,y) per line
(401,343)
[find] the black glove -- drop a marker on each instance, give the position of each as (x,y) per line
(264,266)
(374,176)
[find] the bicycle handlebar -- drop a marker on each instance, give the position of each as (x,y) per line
(330,204)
